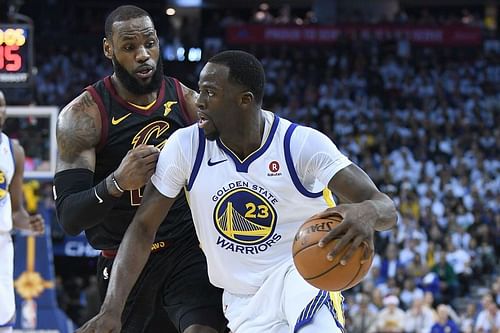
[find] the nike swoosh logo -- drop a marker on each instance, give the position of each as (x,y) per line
(210,163)
(119,120)
(97,196)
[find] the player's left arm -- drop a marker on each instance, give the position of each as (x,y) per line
(20,217)
(190,97)
(364,211)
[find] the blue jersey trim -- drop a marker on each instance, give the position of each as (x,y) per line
(9,324)
(291,168)
(242,166)
(306,316)
(199,157)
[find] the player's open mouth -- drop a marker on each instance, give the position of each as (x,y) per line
(203,119)
(144,72)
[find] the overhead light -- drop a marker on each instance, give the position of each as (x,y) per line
(170,11)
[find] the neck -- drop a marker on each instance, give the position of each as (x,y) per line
(246,139)
(131,97)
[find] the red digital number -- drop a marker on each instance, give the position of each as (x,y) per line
(9,58)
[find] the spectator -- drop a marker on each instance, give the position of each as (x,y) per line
(448,282)
(468,319)
(419,318)
(411,293)
(366,315)
(488,320)
(443,323)
(391,318)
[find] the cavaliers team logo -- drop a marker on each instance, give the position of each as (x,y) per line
(245,217)
(3,185)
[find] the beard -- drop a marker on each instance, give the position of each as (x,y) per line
(134,85)
(212,136)
(211,131)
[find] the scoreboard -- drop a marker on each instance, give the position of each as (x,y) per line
(16,55)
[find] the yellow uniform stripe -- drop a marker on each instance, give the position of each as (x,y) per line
(337,300)
(143,107)
(327,195)
(335,296)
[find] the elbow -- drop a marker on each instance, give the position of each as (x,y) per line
(69,228)
(388,215)
(67,222)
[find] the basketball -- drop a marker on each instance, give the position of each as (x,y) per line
(315,268)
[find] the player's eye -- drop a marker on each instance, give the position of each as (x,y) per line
(151,44)
(207,92)
(128,47)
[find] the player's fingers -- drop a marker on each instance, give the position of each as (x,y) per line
(38,226)
(150,148)
(150,173)
(35,218)
(153,158)
(334,233)
(369,251)
(330,212)
(143,151)
(343,242)
(355,244)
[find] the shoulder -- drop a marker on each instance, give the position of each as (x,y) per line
(83,103)
(16,146)
(80,118)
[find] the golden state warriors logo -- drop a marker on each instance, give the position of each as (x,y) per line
(245,217)
(3,186)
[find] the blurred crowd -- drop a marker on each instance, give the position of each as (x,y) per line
(423,123)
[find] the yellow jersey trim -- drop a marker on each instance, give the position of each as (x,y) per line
(335,296)
(143,107)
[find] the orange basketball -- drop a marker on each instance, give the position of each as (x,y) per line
(315,268)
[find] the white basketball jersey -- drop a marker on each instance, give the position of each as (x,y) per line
(247,212)
(7,168)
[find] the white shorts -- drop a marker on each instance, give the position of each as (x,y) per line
(278,304)
(7,301)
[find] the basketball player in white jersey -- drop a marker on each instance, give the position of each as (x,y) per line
(250,180)
(12,214)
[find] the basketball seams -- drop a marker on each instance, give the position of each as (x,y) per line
(312,264)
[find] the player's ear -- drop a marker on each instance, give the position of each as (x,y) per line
(107,48)
(247,98)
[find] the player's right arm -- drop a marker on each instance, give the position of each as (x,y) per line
(132,256)
(79,203)
(171,175)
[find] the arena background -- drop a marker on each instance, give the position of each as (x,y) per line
(408,89)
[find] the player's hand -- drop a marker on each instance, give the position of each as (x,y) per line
(358,226)
(137,167)
(37,224)
(103,322)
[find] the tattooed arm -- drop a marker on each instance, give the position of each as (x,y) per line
(78,132)
(77,199)
(82,204)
